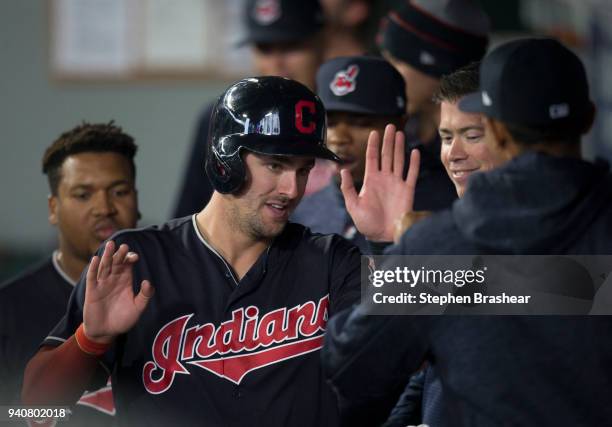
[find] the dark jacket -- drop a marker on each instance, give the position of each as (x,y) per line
(434,191)
(495,370)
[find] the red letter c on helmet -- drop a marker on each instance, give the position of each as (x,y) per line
(299,117)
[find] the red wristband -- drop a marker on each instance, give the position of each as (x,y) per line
(88,346)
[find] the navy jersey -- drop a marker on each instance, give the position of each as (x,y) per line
(29,306)
(324,212)
(213,350)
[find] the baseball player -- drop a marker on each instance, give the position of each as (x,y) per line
(91,175)
(425,40)
(285,38)
(544,199)
(216,319)
(466,150)
(465,146)
(360,94)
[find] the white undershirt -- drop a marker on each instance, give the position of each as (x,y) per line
(59,270)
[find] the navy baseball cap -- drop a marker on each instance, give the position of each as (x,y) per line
(280,21)
(361,84)
(535,83)
(436,37)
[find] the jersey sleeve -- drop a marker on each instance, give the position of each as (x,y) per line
(345,275)
(71,320)
(8,381)
(365,356)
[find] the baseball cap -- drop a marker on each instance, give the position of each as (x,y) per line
(436,36)
(534,82)
(277,21)
(361,84)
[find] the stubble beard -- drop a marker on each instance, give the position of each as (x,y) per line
(251,224)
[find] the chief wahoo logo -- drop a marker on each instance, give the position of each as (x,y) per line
(267,11)
(345,81)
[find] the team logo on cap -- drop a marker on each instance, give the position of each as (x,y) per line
(559,111)
(400,102)
(427,58)
(266,12)
(486,99)
(345,81)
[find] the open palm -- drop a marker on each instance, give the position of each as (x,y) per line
(385,195)
(111,308)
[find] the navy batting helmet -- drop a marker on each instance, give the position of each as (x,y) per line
(265,115)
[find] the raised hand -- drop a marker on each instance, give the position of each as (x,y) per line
(385,196)
(111,308)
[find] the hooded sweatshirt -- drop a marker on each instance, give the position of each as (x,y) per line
(535,204)
(494,370)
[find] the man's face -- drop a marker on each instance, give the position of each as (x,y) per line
(274,187)
(420,87)
(95,198)
(296,60)
(465,149)
(346,13)
(347,137)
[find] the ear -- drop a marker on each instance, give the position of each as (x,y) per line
(498,131)
(52,204)
(503,141)
(138,214)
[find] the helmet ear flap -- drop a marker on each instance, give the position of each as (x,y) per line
(226,175)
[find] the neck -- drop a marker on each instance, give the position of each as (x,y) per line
(240,250)
(71,265)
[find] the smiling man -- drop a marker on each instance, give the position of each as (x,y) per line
(216,319)
(544,199)
(361,94)
(286,39)
(464,148)
(91,176)
(425,40)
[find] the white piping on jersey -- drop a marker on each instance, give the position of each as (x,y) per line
(209,246)
(59,270)
(50,337)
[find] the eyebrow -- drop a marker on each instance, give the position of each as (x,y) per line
(89,186)
(462,130)
(284,159)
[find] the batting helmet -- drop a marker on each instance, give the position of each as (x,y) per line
(265,115)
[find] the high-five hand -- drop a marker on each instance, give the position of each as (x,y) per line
(111,308)
(385,195)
